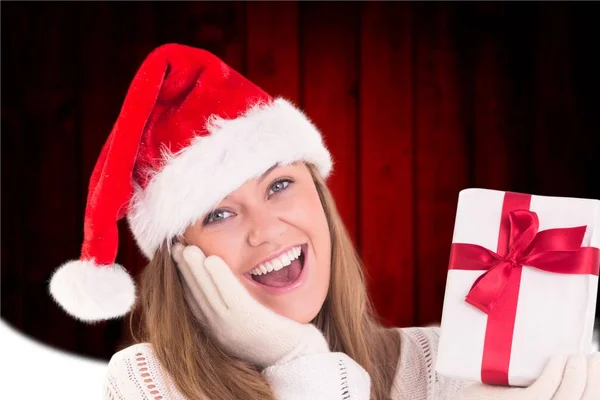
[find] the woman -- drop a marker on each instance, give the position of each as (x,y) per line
(204,163)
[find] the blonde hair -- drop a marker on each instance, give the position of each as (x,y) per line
(200,368)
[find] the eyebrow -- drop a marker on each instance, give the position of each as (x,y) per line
(267,172)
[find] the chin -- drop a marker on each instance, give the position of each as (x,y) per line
(304,316)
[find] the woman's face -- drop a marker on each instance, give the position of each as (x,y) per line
(273,234)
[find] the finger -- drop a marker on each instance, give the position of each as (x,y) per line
(193,292)
(548,382)
(592,387)
(234,294)
(177,253)
(197,301)
(194,257)
(573,380)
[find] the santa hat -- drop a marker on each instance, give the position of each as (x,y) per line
(191,131)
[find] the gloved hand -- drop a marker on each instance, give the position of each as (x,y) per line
(563,378)
(238,322)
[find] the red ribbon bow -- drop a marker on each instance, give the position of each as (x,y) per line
(552,250)
(496,291)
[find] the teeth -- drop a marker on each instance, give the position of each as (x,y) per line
(277,263)
(285,260)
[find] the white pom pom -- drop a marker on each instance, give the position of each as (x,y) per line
(90,292)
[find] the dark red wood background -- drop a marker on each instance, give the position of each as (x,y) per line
(416,101)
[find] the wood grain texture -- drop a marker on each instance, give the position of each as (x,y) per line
(554,101)
(272,48)
(329,68)
(14,207)
(416,102)
(49,168)
(442,167)
(387,154)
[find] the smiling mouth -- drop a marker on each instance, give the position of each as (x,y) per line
(283,276)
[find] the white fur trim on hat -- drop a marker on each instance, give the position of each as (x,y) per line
(90,292)
(197,178)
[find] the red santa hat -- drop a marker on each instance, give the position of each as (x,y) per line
(191,130)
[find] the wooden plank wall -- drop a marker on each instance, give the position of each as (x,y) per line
(415,100)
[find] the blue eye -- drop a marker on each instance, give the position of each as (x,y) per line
(279,186)
(216,216)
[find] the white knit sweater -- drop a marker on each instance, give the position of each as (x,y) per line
(135,374)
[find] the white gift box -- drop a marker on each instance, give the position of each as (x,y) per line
(555,312)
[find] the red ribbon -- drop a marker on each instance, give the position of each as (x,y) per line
(496,291)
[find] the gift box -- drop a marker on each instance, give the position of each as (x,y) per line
(521,287)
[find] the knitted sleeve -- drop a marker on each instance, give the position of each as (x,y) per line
(326,376)
(135,373)
(416,378)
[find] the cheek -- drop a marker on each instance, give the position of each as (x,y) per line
(226,245)
(318,229)
(304,211)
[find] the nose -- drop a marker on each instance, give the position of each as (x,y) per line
(265,227)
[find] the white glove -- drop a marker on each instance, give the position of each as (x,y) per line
(563,378)
(238,322)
